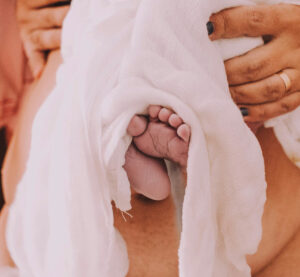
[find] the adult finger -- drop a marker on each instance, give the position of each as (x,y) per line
(255,65)
(46,18)
(52,17)
(267,90)
(45,39)
(36,61)
(44,3)
(266,111)
(250,21)
(41,18)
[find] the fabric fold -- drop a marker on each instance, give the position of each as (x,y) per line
(124,56)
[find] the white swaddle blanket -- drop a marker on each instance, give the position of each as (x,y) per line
(119,57)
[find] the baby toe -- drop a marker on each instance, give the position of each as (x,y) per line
(184,132)
(137,126)
(175,121)
(164,114)
(154,110)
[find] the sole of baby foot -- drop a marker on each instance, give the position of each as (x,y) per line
(166,136)
(147,176)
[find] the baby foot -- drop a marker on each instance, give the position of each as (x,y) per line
(148,176)
(166,136)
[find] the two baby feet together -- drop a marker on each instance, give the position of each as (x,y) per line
(161,135)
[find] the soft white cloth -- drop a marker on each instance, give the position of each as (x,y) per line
(119,57)
(9,272)
(287,131)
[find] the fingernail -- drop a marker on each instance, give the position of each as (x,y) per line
(210,27)
(244,111)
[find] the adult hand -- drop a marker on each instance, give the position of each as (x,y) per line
(254,78)
(40,24)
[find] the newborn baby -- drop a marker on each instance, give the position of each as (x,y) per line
(88,114)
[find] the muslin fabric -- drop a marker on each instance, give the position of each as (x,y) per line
(119,57)
(8,271)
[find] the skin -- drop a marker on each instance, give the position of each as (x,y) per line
(40,24)
(274,249)
(265,96)
(8,99)
(277,253)
(160,136)
(159,252)
(255,84)
(11,66)
(152,237)
(253,79)
(40,28)
(18,150)
(281,221)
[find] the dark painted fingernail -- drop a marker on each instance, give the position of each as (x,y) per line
(210,27)
(244,111)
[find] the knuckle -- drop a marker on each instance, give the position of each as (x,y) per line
(272,91)
(261,114)
(52,40)
(255,17)
(36,39)
(224,18)
(253,69)
(22,20)
(285,107)
(23,13)
(233,93)
(222,22)
(48,18)
(55,17)
(239,94)
(21,17)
